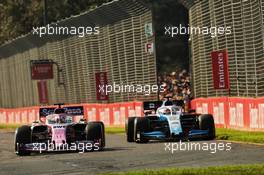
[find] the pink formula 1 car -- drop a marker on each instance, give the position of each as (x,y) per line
(56,131)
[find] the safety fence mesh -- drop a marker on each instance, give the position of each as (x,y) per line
(245,46)
(119,50)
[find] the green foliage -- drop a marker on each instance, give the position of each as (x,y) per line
(20,16)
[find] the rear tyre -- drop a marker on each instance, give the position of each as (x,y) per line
(141,125)
(22,137)
(95,131)
(130,129)
(206,122)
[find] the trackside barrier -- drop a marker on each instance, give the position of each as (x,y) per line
(233,112)
(228,112)
(19,115)
(113,114)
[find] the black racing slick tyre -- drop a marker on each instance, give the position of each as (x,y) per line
(206,122)
(95,131)
(141,124)
(22,137)
(130,129)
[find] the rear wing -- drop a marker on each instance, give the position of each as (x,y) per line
(154,105)
(71,110)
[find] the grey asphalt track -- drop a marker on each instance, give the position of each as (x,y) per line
(122,156)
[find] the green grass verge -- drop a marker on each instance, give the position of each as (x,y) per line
(242,136)
(221,170)
(114,130)
(9,126)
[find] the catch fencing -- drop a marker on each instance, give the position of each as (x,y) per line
(118,50)
(244,46)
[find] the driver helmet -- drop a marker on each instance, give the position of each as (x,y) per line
(166,111)
(57,118)
(60,119)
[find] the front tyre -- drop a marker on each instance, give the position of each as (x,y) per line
(141,124)
(22,137)
(206,122)
(130,129)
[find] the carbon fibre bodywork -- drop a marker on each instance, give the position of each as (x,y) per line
(58,132)
(169,122)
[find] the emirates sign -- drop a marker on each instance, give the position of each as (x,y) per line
(220,69)
(101,81)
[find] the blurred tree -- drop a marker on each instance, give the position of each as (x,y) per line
(18,17)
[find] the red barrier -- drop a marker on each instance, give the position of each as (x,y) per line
(3,116)
(233,112)
(228,112)
(113,114)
